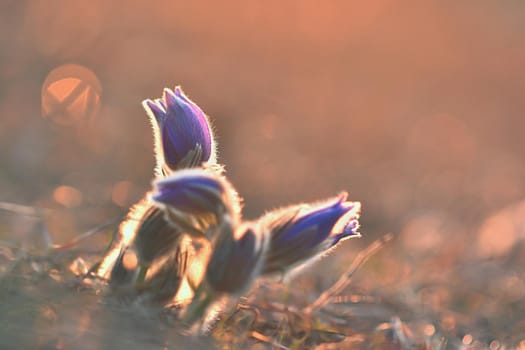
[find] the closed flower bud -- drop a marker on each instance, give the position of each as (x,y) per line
(125,270)
(183,135)
(301,233)
(150,235)
(236,259)
(166,276)
(195,199)
(235,262)
(154,236)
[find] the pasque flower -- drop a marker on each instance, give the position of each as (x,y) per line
(300,233)
(167,275)
(163,279)
(183,139)
(124,272)
(183,135)
(146,232)
(235,262)
(236,259)
(159,251)
(195,199)
(154,237)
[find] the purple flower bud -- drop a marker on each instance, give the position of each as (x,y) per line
(144,234)
(154,236)
(236,259)
(196,198)
(183,136)
(124,272)
(166,275)
(302,232)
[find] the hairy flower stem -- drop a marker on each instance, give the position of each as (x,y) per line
(198,307)
(143,270)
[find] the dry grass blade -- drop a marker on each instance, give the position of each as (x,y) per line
(21,209)
(40,214)
(33,212)
(346,278)
(265,339)
(86,234)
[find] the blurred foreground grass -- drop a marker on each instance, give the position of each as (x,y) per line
(47,304)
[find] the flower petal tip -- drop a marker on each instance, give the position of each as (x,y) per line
(342,196)
(170,98)
(157,197)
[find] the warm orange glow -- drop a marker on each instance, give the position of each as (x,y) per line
(70,93)
(120,193)
(129,226)
(494,345)
(61,89)
(415,110)
(67,196)
(130,260)
(424,233)
(267,126)
(78,267)
(109,261)
(429,330)
(467,339)
(497,234)
(184,293)
(449,322)
(428,141)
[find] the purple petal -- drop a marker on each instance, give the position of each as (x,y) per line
(189,193)
(318,223)
(157,110)
(235,260)
(183,127)
(301,232)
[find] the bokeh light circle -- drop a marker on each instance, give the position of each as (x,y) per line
(70,94)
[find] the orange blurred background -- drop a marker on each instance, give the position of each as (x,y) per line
(415,108)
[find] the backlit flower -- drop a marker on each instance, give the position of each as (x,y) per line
(166,275)
(235,262)
(300,233)
(195,199)
(236,259)
(183,135)
(154,236)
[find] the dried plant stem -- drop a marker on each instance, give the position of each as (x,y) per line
(265,339)
(21,209)
(346,278)
(86,235)
(141,276)
(201,301)
(40,213)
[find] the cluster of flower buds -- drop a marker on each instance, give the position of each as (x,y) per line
(192,201)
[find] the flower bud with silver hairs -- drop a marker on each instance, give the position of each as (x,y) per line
(236,260)
(301,233)
(195,199)
(183,134)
